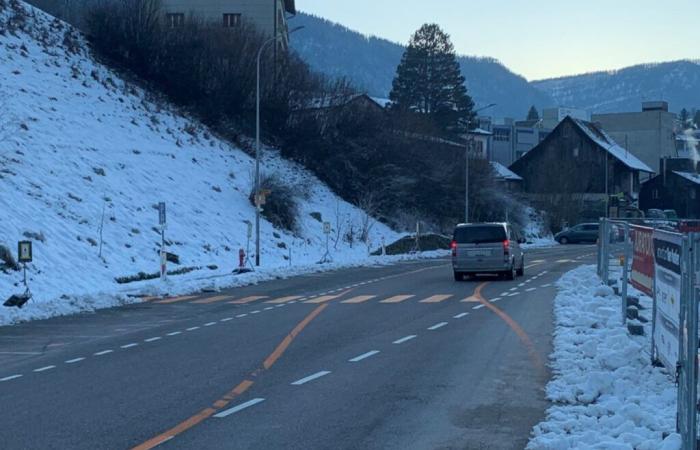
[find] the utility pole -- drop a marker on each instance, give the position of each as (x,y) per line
(470,141)
(257,142)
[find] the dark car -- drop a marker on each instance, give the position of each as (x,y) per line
(584,232)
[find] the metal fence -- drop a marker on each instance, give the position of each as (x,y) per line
(664,262)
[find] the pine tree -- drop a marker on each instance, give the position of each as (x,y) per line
(532,114)
(429,81)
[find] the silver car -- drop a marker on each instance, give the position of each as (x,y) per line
(479,248)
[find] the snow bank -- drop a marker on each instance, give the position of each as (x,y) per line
(605,393)
(87,156)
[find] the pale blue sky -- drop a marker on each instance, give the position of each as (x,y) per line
(537,38)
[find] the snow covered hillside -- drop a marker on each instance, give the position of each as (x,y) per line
(83,150)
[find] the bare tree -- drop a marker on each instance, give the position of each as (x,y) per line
(339,224)
(367,203)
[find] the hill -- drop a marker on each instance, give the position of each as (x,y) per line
(87,155)
(370,62)
(677,82)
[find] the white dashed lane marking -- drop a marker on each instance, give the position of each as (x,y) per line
(363,356)
(241,315)
(495,300)
(405,339)
(478,307)
(437,326)
(192,328)
(239,408)
(209,324)
(530,289)
(153,339)
(129,345)
(311,378)
(174,333)
(460,315)
(44,369)
(11,377)
(74,360)
(104,352)
(226,319)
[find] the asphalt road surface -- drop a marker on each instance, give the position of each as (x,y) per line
(396,357)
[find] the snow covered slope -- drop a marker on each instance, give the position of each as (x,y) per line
(84,150)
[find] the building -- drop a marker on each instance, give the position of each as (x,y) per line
(570,172)
(268,16)
(551,117)
(507,177)
(650,134)
(512,139)
(677,187)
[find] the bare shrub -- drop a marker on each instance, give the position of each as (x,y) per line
(281,206)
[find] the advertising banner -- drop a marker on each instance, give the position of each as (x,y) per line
(643,261)
(668,249)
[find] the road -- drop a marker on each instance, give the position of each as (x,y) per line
(395,357)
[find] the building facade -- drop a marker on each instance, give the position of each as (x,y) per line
(268,16)
(677,187)
(649,134)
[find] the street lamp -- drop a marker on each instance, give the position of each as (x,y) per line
(469,141)
(257,141)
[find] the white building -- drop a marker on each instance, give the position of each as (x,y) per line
(268,16)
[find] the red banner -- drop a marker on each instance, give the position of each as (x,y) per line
(643,262)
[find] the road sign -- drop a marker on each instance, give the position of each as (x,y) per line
(327,227)
(161,213)
(24,250)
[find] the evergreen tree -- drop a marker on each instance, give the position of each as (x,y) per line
(684,116)
(429,81)
(532,114)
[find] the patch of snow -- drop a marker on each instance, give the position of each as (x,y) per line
(601,138)
(605,394)
(89,151)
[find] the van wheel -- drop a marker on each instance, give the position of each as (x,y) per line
(521,271)
(512,273)
(459,276)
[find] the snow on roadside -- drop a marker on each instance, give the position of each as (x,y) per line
(605,393)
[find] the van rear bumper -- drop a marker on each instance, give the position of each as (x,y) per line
(479,268)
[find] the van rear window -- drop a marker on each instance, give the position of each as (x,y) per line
(480,234)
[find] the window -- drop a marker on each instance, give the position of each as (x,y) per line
(501,134)
(693,194)
(575,152)
(175,20)
(232,20)
(480,234)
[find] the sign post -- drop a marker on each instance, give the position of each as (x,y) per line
(163,253)
(24,256)
(327,231)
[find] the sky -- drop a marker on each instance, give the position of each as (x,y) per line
(538,38)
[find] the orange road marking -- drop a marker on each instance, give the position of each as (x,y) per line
(397,299)
(209,300)
(326,298)
(245,300)
(476,296)
(359,299)
(436,299)
(235,392)
(285,299)
(522,335)
(177,299)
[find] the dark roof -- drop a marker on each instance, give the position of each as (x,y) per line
(290,6)
(601,139)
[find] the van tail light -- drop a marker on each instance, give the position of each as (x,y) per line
(506,249)
(453,246)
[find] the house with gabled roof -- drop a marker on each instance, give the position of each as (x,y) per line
(677,187)
(574,167)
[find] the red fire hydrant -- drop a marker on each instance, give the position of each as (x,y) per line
(241,259)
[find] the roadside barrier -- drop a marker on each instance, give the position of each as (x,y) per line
(661,259)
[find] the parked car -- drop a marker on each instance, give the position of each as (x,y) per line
(480,248)
(671,214)
(655,214)
(583,232)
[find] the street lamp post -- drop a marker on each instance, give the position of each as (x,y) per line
(256,198)
(469,141)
